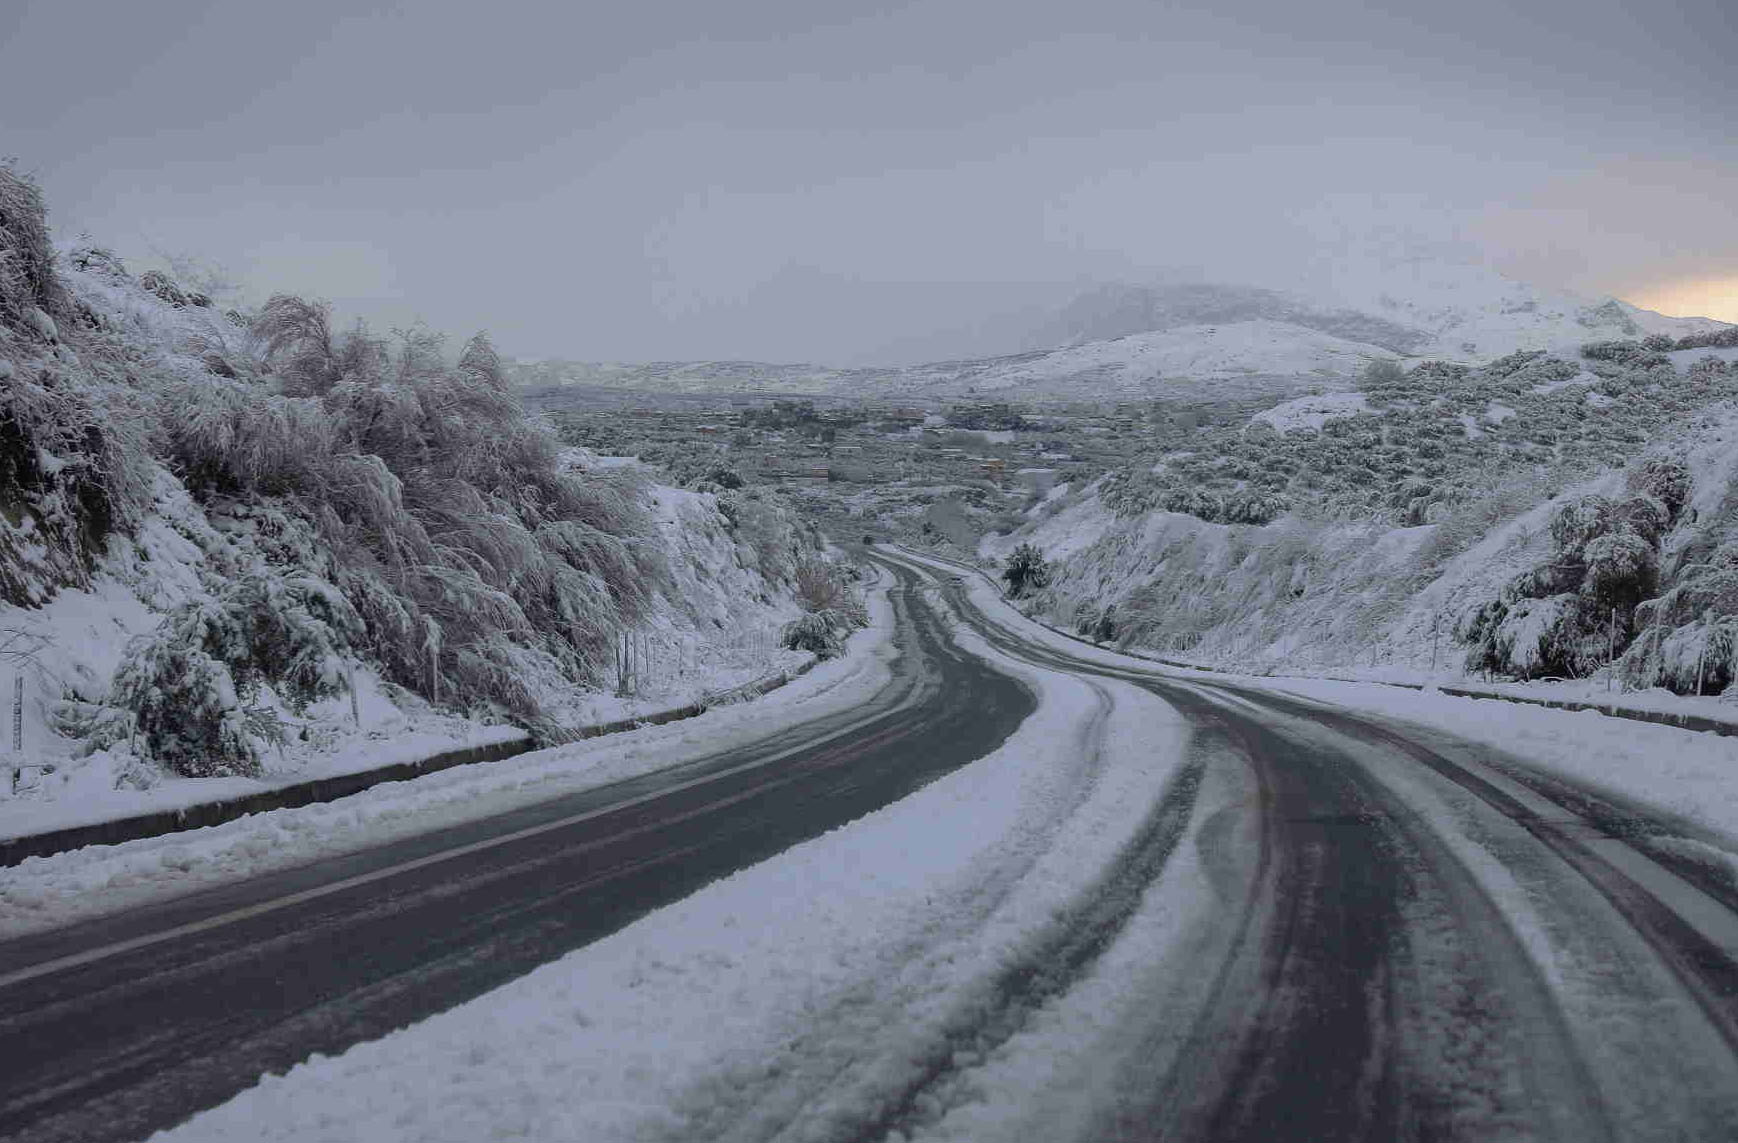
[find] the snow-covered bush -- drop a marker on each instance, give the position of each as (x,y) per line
(442,510)
(814,631)
(1568,615)
(1666,479)
(74,457)
(189,684)
(1025,570)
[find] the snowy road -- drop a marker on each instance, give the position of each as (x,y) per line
(1166,906)
(116,1027)
(1405,936)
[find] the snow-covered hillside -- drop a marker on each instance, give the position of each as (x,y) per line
(244,547)
(1314,595)
(1475,314)
(1200,341)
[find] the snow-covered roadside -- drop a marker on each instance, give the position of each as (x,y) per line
(814,985)
(76,641)
(44,892)
(1689,773)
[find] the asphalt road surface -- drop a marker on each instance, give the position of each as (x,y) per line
(1357,977)
(1396,934)
(112,1029)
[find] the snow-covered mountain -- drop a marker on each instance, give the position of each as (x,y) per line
(1472,313)
(1200,341)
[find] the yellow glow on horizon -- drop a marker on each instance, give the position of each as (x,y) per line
(1715,298)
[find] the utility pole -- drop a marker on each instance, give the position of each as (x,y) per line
(1435,633)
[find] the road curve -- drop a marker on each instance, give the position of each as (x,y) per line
(1405,936)
(117,1027)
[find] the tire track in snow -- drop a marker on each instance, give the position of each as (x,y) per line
(820,1062)
(1371,988)
(828,1086)
(1298,1033)
(1706,971)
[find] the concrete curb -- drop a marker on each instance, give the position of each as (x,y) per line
(1683,721)
(16,849)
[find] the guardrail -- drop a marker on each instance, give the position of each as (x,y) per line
(330,789)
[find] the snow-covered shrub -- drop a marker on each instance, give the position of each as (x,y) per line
(33,303)
(1622,569)
(1025,570)
(188,684)
(74,457)
(184,703)
(1666,479)
(1568,615)
(813,631)
(820,585)
(1646,516)
(1578,520)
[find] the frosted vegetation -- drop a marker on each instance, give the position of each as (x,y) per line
(1430,444)
(1540,516)
(373,499)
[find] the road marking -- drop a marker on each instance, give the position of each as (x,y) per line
(246,912)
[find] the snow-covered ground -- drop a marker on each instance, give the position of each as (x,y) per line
(806,992)
(697,1019)
(1684,358)
(1312,412)
(1228,350)
(43,892)
(1688,773)
(718,637)
(1328,597)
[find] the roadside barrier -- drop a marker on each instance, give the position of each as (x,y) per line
(158,823)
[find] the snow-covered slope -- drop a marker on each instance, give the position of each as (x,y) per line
(1160,361)
(1315,595)
(1200,340)
(228,556)
(1233,359)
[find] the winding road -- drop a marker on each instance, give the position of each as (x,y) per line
(1382,932)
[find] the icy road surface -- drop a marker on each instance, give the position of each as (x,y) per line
(1159,906)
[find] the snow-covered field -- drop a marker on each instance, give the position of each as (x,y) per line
(43,892)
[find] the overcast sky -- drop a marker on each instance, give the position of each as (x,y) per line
(809,180)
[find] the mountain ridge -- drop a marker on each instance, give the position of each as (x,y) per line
(1198,339)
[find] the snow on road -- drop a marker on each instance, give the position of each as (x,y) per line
(44,892)
(858,984)
(1688,773)
(809,992)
